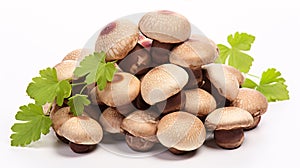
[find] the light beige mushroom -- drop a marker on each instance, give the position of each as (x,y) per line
(181,131)
(199,102)
(65,69)
(225,82)
(195,52)
(252,101)
(165,26)
(162,82)
(59,117)
(77,54)
(111,120)
(228,124)
(117,38)
(238,74)
(123,89)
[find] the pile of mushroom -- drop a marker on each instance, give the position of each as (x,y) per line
(168,90)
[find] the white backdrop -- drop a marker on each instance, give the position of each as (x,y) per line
(36,34)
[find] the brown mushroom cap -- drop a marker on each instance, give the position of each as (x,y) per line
(195,52)
(165,26)
(117,38)
(123,89)
(76,54)
(228,118)
(225,82)
(65,69)
(181,130)
(252,101)
(81,130)
(238,74)
(141,124)
(59,117)
(111,120)
(163,82)
(199,102)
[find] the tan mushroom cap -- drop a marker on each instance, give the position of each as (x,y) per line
(228,118)
(117,39)
(65,69)
(77,54)
(81,130)
(181,130)
(141,124)
(252,101)
(225,82)
(197,51)
(199,102)
(238,74)
(165,26)
(123,89)
(59,117)
(162,82)
(111,120)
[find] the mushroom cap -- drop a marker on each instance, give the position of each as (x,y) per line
(228,118)
(181,130)
(81,130)
(76,54)
(141,124)
(162,82)
(117,38)
(59,117)
(111,120)
(199,102)
(225,82)
(165,26)
(65,69)
(238,74)
(123,89)
(195,52)
(252,101)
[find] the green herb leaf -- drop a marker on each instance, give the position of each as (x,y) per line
(96,69)
(46,88)
(248,83)
(34,124)
(235,56)
(273,86)
(77,103)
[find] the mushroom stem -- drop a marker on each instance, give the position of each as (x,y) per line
(229,139)
(138,144)
(160,52)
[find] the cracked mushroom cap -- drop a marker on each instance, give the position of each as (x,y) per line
(228,118)
(162,82)
(195,52)
(141,124)
(117,38)
(81,130)
(65,69)
(199,102)
(225,82)
(181,130)
(165,26)
(252,101)
(123,89)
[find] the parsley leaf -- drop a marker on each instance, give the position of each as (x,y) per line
(96,70)
(46,88)
(235,56)
(35,123)
(77,103)
(271,85)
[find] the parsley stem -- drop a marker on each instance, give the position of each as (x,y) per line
(255,76)
(80,83)
(83,89)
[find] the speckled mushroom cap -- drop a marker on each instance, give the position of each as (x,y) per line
(59,117)
(197,51)
(141,124)
(252,101)
(163,82)
(77,54)
(65,69)
(228,118)
(81,130)
(111,120)
(225,82)
(181,130)
(117,38)
(238,74)
(165,26)
(199,102)
(123,89)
